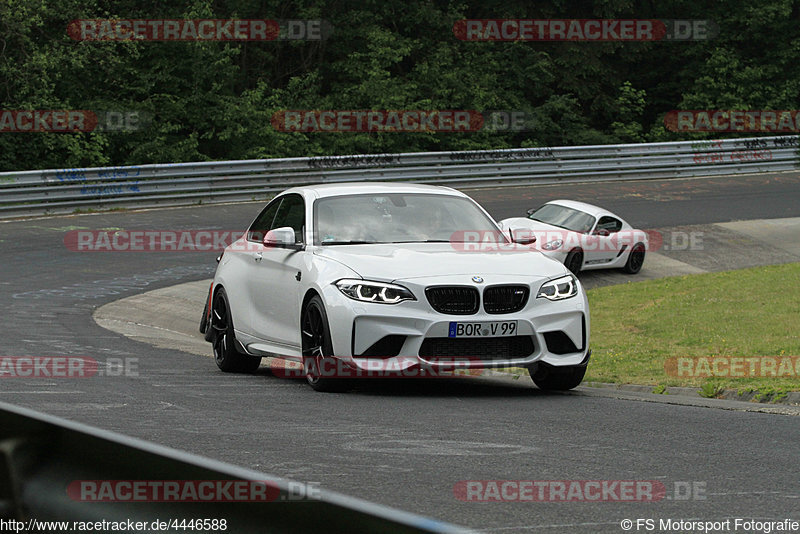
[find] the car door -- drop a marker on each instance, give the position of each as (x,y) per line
(275,282)
(242,268)
(603,241)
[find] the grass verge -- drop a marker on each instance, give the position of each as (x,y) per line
(637,328)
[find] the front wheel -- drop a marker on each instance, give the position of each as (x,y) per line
(551,378)
(574,261)
(635,259)
(226,356)
(318,349)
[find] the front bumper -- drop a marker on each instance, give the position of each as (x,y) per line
(411,333)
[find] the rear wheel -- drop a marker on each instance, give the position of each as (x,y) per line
(635,259)
(226,356)
(317,348)
(551,378)
(574,260)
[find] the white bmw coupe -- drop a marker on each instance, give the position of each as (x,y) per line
(377,275)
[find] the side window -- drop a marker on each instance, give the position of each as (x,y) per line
(292,213)
(610,224)
(263,222)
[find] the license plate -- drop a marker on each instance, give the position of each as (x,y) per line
(492,329)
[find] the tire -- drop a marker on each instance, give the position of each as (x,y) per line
(635,259)
(318,348)
(551,378)
(574,260)
(226,356)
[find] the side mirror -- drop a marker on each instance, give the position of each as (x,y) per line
(281,238)
(602,232)
(531,211)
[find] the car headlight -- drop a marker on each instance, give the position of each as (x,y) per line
(553,245)
(367,291)
(559,289)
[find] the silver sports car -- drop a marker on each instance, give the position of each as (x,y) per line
(582,236)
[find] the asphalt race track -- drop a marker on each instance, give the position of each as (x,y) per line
(401,444)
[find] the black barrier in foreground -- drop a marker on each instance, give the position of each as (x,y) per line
(57,470)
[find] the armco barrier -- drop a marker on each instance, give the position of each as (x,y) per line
(56,191)
(42,458)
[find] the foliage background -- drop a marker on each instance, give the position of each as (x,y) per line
(214,100)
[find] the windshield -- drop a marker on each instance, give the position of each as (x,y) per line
(397,218)
(567,218)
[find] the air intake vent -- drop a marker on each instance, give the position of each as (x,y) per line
(559,342)
(482,348)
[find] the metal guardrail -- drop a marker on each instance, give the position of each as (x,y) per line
(55,191)
(43,457)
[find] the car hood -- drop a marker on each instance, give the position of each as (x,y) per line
(519,223)
(393,262)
